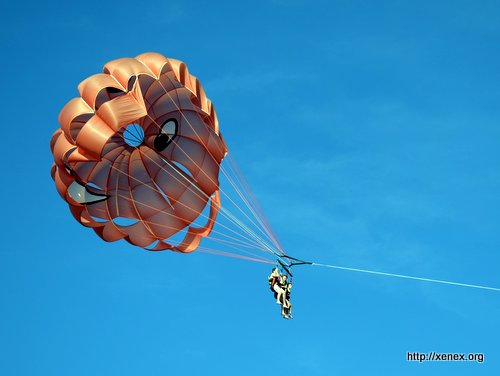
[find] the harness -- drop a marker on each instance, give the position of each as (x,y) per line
(285,264)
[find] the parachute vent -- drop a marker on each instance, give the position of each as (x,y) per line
(133,135)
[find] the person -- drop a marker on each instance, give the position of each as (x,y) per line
(275,283)
(281,287)
(272,278)
(286,308)
(286,305)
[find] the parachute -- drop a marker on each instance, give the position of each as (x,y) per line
(137,155)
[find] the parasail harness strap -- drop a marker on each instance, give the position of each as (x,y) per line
(286,263)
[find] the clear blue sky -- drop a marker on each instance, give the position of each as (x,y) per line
(370,133)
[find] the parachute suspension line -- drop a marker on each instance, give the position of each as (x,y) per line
(259,214)
(235,219)
(135,202)
(259,242)
(143,183)
(242,244)
(235,241)
(251,233)
(228,254)
(247,253)
(257,245)
(224,211)
(254,257)
(192,128)
(189,157)
(240,194)
(169,227)
(189,186)
(228,215)
(221,166)
(245,201)
(408,277)
(234,245)
(148,223)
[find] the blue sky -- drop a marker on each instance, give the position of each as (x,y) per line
(369,131)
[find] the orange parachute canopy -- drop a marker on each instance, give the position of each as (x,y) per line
(141,143)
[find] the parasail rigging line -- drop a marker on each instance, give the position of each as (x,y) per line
(253,237)
(235,241)
(268,233)
(256,216)
(254,206)
(232,255)
(242,244)
(253,258)
(407,277)
(184,205)
(257,242)
(254,201)
(224,211)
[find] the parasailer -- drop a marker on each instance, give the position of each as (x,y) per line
(281,286)
(275,283)
(286,308)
